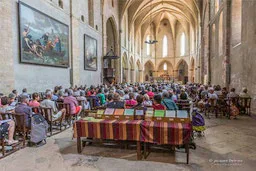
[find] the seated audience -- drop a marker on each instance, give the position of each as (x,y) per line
(116,103)
(150,93)
(49,103)
(6,108)
(75,109)
(183,95)
(85,103)
(131,100)
(101,97)
(24,93)
(244,93)
(23,108)
(35,99)
(168,103)
(139,104)
(232,93)
(157,103)
(12,100)
(126,94)
(8,126)
(147,101)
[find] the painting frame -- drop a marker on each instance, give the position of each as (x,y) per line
(87,40)
(21,50)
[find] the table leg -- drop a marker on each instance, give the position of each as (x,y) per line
(138,150)
(187,151)
(79,149)
(145,150)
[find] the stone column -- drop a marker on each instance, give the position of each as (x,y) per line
(7,80)
(140,76)
(176,74)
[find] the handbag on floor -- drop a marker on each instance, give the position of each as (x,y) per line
(39,129)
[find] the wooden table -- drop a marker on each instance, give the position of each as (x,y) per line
(139,131)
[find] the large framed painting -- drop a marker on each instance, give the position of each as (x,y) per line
(43,39)
(90,53)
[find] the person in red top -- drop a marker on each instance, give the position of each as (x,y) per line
(157,103)
(150,93)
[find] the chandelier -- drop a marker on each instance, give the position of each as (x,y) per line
(150,24)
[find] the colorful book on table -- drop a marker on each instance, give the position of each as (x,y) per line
(109,111)
(119,112)
(170,113)
(139,112)
(159,113)
(129,112)
(150,112)
(182,114)
(100,112)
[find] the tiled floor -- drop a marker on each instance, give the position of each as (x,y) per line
(227,145)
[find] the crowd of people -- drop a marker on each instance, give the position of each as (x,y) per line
(157,96)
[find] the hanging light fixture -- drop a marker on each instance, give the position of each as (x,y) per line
(150,25)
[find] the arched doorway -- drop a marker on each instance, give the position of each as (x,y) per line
(165,71)
(148,71)
(183,71)
(111,43)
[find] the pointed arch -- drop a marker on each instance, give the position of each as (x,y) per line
(182,68)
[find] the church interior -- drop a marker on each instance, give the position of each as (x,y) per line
(132,44)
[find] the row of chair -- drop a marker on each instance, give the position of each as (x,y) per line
(223,105)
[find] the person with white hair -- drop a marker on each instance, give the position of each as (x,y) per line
(49,103)
(147,101)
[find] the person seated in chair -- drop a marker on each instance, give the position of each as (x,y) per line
(8,126)
(6,108)
(34,102)
(157,103)
(168,103)
(244,93)
(75,109)
(49,103)
(139,99)
(116,103)
(131,100)
(23,108)
(232,93)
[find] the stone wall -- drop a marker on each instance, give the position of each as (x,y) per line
(242,46)
(16,75)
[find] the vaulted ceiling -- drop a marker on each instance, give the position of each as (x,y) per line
(141,12)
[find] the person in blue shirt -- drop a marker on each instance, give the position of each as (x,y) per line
(168,102)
